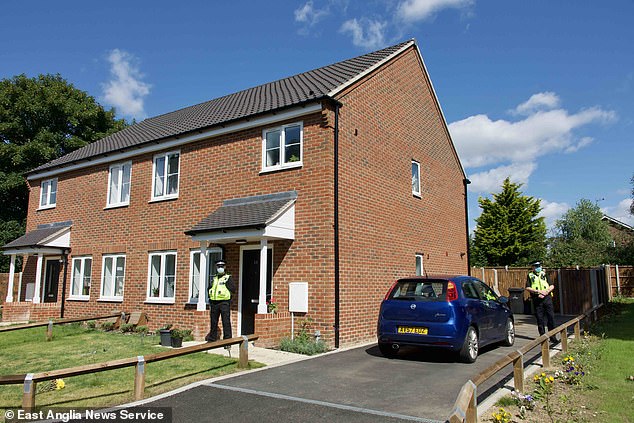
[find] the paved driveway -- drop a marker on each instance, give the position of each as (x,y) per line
(357,385)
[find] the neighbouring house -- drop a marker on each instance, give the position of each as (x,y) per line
(318,190)
(621,233)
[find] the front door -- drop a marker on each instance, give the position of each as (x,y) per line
(51,281)
(251,287)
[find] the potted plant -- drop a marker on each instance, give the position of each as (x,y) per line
(166,336)
(178,335)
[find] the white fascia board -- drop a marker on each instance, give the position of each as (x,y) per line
(30,251)
(177,142)
(230,236)
(371,69)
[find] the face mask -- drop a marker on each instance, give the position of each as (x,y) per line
(220,270)
(538,269)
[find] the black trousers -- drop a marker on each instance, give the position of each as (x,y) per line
(219,309)
(545,313)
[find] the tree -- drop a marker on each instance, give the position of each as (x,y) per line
(632,203)
(581,237)
(41,119)
(509,231)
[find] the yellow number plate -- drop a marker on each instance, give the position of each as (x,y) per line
(410,329)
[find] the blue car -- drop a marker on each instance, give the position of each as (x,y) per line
(458,313)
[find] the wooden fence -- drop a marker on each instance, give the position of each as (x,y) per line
(576,290)
(466,407)
(621,280)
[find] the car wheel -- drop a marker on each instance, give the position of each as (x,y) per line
(509,334)
(469,350)
(387,350)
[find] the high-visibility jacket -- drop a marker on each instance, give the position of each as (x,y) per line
(219,290)
(539,282)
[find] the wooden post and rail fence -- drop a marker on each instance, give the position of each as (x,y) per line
(466,407)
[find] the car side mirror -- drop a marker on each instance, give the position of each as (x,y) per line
(503,300)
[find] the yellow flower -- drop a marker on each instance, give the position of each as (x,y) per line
(543,374)
(59,384)
(552,379)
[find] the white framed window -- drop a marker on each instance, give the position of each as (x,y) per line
(81,278)
(161,276)
(166,170)
(119,184)
(112,277)
(213,254)
(282,147)
(415,178)
(48,193)
(419,265)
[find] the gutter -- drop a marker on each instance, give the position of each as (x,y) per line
(466,182)
(336,224)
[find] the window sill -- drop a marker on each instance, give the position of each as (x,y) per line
(84,299)
(294,165)
(417,195)
(159,301)
(110,299)
(160,199)
(47,207)
(116,206)
(195,302)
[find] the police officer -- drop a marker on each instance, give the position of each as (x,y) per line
(542,297)
(220,300)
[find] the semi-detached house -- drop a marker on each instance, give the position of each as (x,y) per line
(333,182)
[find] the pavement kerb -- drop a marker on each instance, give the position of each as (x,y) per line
(508,388)
(232,375)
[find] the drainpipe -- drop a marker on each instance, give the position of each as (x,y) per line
(336,222)
(65,264)
(466,182)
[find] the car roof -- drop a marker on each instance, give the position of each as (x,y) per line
(454,278)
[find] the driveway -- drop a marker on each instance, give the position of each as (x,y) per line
(356,385)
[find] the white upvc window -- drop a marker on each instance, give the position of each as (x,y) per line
(81,278)
(213,254)
(119,178)
(416,178)
(161,276)
(282,147)
(165,170)
(419,265)
(112,277)
(48,193)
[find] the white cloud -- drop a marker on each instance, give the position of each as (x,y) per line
(125,90)
(540,101)
(366,33)
(308,14)
(491,180)
(621,211)
(552,211)
(481,141)
(417,10)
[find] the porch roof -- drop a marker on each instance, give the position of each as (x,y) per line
(51,238)
(269,216)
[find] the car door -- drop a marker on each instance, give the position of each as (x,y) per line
(475,307)
(495,312)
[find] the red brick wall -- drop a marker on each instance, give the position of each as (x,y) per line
(385,122)
(211,171)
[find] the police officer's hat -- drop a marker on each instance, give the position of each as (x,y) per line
(220,262)
(536,264)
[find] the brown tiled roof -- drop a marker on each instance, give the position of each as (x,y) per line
(292,91)
(248,212)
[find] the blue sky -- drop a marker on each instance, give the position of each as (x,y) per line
(541,91)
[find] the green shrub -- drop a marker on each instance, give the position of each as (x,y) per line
(91,324)
(184,334)
(303,346)
(142,330)
(107,326)
(126,327)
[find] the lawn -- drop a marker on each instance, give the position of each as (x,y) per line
(592,383)
(27,351)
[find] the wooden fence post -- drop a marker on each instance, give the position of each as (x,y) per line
(618,279)
(49,330)
(472,409)
(243,362)
(545,353)
(577,331)
(28,398)
(608,280)
(564,340)
(518,373)
(139,378)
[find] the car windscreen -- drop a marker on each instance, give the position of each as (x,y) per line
(419,290)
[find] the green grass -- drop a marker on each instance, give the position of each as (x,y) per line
(614,393)
(27,351)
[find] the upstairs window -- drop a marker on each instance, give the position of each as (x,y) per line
(80,284)
(416,178)
(166,171)
(48,194)
(119,184)
(282,147)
